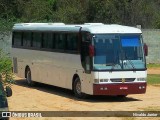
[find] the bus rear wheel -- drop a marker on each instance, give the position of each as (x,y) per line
(77,89)
(29,78)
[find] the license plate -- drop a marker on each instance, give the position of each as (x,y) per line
(123,88)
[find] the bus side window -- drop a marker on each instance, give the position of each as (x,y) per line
(36,39)
(72,42)
(47,40)
(17,38)
(27,36)
(59,41)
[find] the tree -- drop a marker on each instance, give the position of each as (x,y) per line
(35,11)
(127,12)
(108,11)
(145,13)
(70,11)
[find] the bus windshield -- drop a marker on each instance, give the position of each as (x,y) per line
(118,52)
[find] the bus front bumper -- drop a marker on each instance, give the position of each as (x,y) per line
(119,88)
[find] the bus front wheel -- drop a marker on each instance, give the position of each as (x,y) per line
(77,89)
(29,78)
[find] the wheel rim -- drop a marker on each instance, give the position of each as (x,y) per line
(78,87)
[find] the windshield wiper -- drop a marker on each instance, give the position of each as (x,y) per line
(130,62)
(116,62)
(113,65)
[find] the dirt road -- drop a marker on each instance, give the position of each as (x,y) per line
(48,98)
(154,71)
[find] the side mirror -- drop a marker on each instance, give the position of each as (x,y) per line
(8,91)
(91,50)
(145,47)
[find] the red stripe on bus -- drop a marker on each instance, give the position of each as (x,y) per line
(119,89)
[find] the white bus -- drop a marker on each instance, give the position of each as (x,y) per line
(92,58)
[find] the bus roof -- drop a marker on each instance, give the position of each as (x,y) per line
(95,28)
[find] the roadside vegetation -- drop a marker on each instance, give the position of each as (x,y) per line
(153,79)
(6,75)
(153,65)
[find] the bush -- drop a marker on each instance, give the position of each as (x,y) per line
(6,75)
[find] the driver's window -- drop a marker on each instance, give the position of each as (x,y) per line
(86,37)
(85,59)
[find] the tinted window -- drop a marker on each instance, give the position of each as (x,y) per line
(59,40)
(47,40)
(36,40)
(27,36)
(17,36)
(72,41)
(86,38)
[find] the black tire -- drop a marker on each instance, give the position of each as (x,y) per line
(29,78)
(77,89)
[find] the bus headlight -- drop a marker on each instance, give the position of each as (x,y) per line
(141,79)
(96,80)
(105,80)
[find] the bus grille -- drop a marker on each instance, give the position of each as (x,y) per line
(123,80)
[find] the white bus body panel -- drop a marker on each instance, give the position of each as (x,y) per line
(52,68)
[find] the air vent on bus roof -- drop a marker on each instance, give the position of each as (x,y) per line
(93,24)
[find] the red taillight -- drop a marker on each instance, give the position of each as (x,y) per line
(91,50)
(145,47)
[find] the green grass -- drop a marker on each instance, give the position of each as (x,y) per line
(153,79)
(153,65)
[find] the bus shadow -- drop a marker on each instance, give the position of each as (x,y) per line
(111,99)
(69,94)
